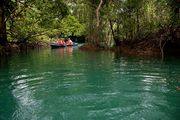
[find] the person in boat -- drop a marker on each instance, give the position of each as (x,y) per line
(69,42)
(60,42)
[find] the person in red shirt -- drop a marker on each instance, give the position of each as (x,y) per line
(69,42)
(60,42)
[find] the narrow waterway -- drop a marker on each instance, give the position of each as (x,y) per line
(69,84)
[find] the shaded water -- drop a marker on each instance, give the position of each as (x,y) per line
(69,84)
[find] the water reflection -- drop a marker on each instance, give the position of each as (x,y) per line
(69,50)
(61,52)
(7,100)
(65,51)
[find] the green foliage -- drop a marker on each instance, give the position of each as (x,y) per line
(130,19)
(50,12)
(71,26)
(34,18)
(133,18)
(25,27)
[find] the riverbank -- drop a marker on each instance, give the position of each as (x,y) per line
(159,44)
(15,47)
(125,50)
(164,42)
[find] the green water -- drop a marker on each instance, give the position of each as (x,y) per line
(69,84)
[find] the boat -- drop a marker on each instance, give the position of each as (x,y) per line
(57,45)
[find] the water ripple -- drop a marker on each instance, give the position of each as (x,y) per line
(93,86)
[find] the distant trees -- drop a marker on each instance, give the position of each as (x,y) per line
(103,21)
(125,19)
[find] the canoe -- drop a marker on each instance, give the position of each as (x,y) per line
(62,45)
(57,45)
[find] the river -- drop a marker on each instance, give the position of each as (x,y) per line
(70,84)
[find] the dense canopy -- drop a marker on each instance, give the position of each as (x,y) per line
(103,22)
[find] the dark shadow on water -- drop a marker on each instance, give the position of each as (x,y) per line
(7,104)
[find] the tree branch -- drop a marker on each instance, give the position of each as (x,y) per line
(97,13)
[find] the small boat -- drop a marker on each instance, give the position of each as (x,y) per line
(57,45)
(54,45)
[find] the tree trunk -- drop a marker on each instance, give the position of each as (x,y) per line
(161,46)
(97,14)
(111,26)
(3,35)
(137,22)
(95,35)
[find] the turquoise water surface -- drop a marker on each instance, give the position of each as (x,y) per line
(69,84)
